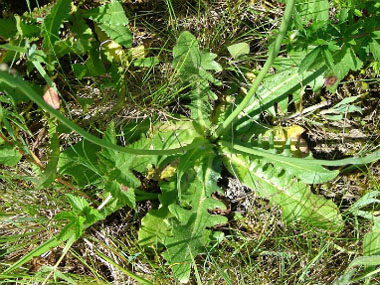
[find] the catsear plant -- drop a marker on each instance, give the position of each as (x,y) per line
(186,155)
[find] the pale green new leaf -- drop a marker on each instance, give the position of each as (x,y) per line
(239,49)
(313,10)
(171,134)
(112,20)
(155,227)
(295,199)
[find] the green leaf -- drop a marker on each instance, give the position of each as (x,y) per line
(192,67)
(345,61)
(9,155)
(111,19)
(146,62)
(123,193)
(53,21)
(80,162)
(155,227)
(7,28)
(313,10)
(26,30)
(295,199)
(43,248)
(309,60)
(161,136)
(239,49)
(51,169)
(190,62)
(117,166)
(276,88)
(374,47)
(187,57)
(327,56)
(191,229)
(371,241)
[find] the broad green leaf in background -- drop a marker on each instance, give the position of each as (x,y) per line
(309,60)
(295,199)
(374,47)
(277,87)
(117,165)
(53,21)
(9,155)
(146,62)
(187,57)
(239,49)
(371,241)
(345,61)
(111,19)
(313,10)
(7,28)
(26,30)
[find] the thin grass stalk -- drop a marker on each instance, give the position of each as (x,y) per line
(223,127)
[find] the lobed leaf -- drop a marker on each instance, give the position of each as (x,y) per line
(184,216)
(111,19)
(191,229)
(295,199)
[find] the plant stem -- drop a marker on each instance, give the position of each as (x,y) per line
(372,157)
(20,84)
(222,128)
